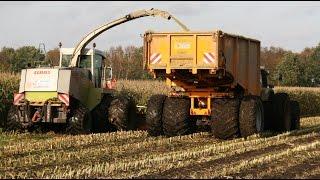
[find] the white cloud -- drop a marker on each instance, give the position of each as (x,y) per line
(291,25)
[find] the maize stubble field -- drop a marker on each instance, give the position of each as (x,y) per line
(135,154)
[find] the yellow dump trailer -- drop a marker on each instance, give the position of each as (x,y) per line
(216,75)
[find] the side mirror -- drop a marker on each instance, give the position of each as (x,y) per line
(107,72)
(108,81)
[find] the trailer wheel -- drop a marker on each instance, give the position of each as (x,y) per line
(154,114)
(176,113)
(251,116)
(225,123)
(13,122)
(266,94)
(80,121)
(282,113)
(122,113)
(295,115)
(267,109)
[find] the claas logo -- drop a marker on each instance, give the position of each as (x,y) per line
(42,72)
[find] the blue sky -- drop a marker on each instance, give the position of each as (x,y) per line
(291,25)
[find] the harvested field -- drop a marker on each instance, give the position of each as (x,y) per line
(133,154)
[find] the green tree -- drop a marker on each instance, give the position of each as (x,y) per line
(24,56)
(6,58)
(291,69)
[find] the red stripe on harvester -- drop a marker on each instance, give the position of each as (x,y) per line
(17,98)
(64,98)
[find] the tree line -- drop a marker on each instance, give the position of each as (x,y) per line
(285,67)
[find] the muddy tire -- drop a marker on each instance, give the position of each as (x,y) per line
(122,114)
(79,122)
(154,115)
(267,109)
(176,113)
(100,114)
(267,94)
(295,115)
(13,123)
(281,112)
(224,118)
(251,116)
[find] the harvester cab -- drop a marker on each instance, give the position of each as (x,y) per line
(92,60)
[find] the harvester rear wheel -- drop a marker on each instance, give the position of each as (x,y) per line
(100,114)
(295,115)
(80,121)
(13,123)
(122,113)
(154,114)
(224,118)
(251,116)
(176,113)
(282,113)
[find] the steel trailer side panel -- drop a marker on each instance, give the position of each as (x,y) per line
(243,61)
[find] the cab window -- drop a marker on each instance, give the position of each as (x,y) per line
(97,67)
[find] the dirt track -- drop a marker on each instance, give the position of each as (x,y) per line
(293,154)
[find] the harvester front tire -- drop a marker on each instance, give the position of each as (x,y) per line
(100,122)
(13,123)
(80,121)
(295,115)
(154,115)
(282,112)
(176,115)
(224,118)
(122,114)
(251,116)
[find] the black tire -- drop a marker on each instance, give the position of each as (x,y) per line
(13,122)
(154,115)
(281,112)
(267,108)
(100,114)
(295,115)
(79,121)
(122,114)
(251,116)
(175,119)
(267,94)
(224,118)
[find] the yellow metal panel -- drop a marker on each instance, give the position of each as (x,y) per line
(182,46)
(206,44)
(159,50)
(40,96)
(200,112)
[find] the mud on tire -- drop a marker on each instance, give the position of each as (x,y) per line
(281,112)
(100,114)
(268,115)
(13,123)
(225,124)
(122,113)
(176,113)
(80,121)
(251,116)
(295,115)
(154,115)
